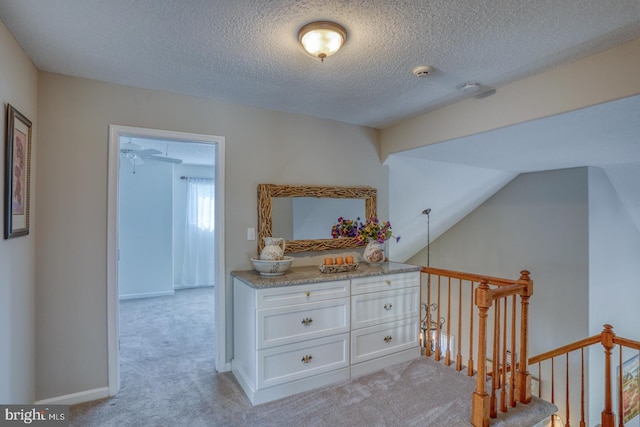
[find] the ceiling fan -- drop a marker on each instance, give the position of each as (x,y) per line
(137,154)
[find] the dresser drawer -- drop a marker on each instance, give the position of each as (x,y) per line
(294,361)
(376,341)
(277,326)
(363,285)
(380,307)
(299,294)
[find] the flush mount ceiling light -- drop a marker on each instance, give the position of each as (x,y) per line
(322,38)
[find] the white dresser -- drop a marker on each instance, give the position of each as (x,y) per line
(307,329)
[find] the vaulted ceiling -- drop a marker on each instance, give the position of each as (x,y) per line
(454,177)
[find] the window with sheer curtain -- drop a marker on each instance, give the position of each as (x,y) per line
(198,263)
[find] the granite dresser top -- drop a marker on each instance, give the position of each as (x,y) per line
(312,274)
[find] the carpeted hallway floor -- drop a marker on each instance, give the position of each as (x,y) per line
(168,379)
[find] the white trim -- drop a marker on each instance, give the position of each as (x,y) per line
(75,398)
(146,295)
(221,288)
(115,132)
(113,315)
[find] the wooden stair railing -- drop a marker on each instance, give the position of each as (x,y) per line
(495,299)
(608,339)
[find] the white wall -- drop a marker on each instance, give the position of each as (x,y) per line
(145,234)
(614,255)
(261,146)
(451,191)
(18,87)
(614,278)
(180,212)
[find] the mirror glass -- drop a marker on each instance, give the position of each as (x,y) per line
(301,218)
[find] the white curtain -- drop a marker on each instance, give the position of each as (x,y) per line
(198,263)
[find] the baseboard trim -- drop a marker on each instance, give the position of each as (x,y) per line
(147,295)
(180,287)
(75,398)
(225,367)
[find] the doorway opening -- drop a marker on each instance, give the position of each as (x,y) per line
(165,237)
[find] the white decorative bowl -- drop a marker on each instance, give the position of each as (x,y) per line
(272,268)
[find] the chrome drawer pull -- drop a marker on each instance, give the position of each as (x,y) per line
(387,338)
(308,293)
(387,306)
(307,359)
(307,321)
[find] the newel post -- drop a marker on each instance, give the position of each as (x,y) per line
(606,338)
(524,378)
(481,402)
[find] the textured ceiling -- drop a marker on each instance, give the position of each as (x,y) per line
(246,51)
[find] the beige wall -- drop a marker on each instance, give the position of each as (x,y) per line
(18,87)
(261,146)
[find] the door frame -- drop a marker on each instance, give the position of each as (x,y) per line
(113,333)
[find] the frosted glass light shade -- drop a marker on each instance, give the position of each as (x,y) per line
(322,38)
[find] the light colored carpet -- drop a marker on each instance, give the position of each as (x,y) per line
(168,380)
(417,393)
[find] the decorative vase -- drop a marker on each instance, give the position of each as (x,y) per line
(273,249)
(374,252)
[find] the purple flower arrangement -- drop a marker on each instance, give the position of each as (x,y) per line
(371,230)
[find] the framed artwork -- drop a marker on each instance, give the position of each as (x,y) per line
(630,391)
(17,175)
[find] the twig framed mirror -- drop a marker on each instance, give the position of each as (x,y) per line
(309,199)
